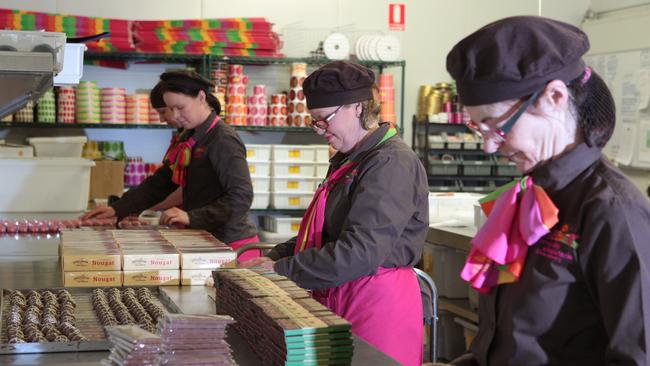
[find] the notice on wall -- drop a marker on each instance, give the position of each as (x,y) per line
(397,17)
(644,142)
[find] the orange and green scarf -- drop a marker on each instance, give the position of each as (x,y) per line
(310,234)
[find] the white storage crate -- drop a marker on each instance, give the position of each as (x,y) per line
(259,168)
(322,153)
(294,184)
(293,153)
(260,200)
(269,237)
(45,184)
(73,65)
(283,224)
(68,147)
(261,183)
(321,169)
(447,265)
(291,200)
(293,169)
(258,152)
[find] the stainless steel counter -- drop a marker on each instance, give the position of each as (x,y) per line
(457,237)
(33,262)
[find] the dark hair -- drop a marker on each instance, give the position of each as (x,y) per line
(594,109)
(156,96)
(190,83)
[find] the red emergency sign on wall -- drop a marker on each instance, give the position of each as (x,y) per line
(396,17)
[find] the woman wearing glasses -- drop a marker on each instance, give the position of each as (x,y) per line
(574,291)
(367,223)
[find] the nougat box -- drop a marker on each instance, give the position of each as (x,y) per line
(144,260)
(152,278)
(207,258)
(92,279)
(91,260)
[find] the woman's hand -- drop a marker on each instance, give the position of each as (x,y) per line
(174,217)
(264,262)
(99,212)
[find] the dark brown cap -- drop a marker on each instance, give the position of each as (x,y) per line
(515,57)
(156,96)
(338,83)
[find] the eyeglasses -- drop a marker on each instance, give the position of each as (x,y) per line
(499,134)
(324,123)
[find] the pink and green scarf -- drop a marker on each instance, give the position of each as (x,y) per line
(310,234)
(518,215)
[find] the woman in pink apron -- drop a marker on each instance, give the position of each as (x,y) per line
(365,228)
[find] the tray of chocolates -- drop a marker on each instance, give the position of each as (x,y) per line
(73,319)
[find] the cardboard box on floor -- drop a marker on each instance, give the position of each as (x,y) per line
(106,178)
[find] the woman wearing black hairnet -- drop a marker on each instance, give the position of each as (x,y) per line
(562,261)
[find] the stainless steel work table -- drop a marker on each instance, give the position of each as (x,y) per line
(32,262)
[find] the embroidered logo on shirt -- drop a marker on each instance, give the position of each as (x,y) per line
(558,245)
(198,152)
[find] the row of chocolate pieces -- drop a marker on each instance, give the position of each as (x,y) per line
(41,317)
(280,321)
(54,226)
(126,307)
(195,340)
(132,345)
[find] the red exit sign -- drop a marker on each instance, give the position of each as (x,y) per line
(396,17)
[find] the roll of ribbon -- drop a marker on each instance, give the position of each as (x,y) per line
(88,107)
(66,104)
(137,109)
(46,108)
(26,114)
(257,107)
(113,104)
(277,111)
(297,105)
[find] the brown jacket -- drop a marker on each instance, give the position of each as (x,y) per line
(588,305)
(219,192)
(378,216)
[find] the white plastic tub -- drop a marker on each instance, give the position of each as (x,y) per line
(261,183)
(258,152)
(291,200)
(293,169)
(294,153)
(321,169)
(283,225)
(73,65)
(68,147)
(322,153)
(294,184)
(45,184)
(260,200)
(259,168)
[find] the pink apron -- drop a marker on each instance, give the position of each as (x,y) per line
(249,254)
(385,310)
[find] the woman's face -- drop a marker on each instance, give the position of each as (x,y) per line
(185,110)
(167,116)
(344,130)
(540,134)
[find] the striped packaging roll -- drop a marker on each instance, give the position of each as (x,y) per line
(88,102)
(298,114)
(236,109)
(387,98)
(137,109)
(46,108)
(277,111)
(257,106)
(113,105)
(26,114)
(66,104)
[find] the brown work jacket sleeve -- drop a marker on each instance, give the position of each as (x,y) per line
(228,159)
(152,190)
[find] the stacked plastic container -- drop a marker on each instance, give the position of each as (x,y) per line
(257,106)
(298,114)
(113,105)
(236,97)
(88,102)
(296,171)
(259,163)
